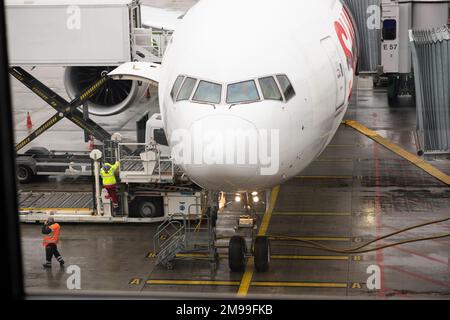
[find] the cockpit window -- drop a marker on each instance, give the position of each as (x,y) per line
(286,87)
(186,89)
(270,89)
(242,92)
(208,92)
(176,86)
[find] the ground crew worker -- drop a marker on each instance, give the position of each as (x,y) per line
(51,232)
(108,174)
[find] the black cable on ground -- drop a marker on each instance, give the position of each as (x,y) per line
(316,245)
(347,251)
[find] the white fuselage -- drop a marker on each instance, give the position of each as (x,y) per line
(313,43)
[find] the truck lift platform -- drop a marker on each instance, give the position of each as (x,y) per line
(147,164)
(141,205)
(74,207)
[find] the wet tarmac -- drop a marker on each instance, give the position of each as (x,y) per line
(356,191)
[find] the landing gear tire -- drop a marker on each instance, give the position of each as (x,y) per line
(262,254)
(236,254)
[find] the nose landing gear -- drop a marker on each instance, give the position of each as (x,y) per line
(237,254)
(243,242)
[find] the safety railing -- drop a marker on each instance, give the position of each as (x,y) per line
(150,44)
(169,240)
(431,61)
(145,164)
(181,233)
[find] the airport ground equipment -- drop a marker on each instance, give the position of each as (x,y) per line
(151,207)
(43,162)
(397,18)
(187,238)
(230,231)
(151,188)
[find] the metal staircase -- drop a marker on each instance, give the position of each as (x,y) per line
(186,237)
(170,239)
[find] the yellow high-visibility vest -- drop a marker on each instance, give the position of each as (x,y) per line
(109,178)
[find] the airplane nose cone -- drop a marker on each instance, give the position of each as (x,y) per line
(224,153)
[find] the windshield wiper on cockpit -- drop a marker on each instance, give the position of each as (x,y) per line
(208,103)
(244,102)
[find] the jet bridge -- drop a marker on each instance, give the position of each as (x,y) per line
(81,33)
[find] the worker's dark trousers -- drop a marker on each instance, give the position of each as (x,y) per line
(52,250)
(112,192)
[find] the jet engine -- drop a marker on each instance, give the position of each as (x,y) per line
(112,98)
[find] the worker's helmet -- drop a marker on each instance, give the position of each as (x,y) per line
(106,167)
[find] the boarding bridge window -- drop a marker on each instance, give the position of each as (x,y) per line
(242,92)
(389,29)
(186,89)
(176,86)
(208,92)
(286,87)
(160,137)
(269,89)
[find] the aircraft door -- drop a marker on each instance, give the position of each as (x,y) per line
(338,69)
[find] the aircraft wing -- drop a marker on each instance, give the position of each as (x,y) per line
(157,18)
(139,71)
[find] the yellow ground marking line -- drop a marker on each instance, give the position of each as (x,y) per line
(193,282)
(266,219)
(315,238)
(249,269)
(255,283)
(273,257)
(323,238)
(288,257)
(415,160)
(300,284)
(304,213)
(324,177)
(57,209)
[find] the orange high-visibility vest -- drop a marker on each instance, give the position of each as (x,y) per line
(52,237)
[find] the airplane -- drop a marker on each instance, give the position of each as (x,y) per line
(283,69)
